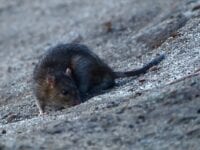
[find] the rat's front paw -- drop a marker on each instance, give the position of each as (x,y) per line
(41,113)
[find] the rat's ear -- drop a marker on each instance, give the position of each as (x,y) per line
(50,80)
(68,72)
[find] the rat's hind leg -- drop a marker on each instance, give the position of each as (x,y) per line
(106,82)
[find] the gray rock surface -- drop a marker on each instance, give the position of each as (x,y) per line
(139,113)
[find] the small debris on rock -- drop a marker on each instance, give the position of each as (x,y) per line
(108,26)
(3,132)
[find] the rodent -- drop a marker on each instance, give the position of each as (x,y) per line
(67,72)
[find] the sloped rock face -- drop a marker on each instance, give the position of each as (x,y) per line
(139,113)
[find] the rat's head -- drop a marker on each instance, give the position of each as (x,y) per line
(62,90)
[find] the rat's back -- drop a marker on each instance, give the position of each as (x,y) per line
(61,56)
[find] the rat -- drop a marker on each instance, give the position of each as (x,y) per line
(67,72)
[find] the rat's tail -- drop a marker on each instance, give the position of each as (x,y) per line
(142,70)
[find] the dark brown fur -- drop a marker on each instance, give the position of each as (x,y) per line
(69,71)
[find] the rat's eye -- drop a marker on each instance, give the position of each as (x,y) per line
(65,92)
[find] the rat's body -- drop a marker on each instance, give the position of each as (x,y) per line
(69,71)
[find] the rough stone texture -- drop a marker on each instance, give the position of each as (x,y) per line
(139,113)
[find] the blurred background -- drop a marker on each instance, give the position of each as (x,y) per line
(125,34)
